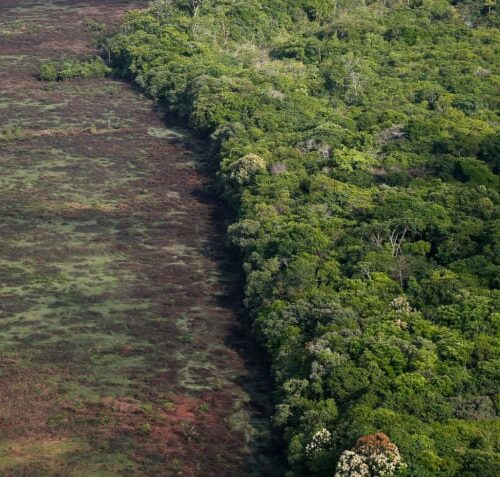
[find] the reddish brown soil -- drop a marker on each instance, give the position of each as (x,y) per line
(122,348)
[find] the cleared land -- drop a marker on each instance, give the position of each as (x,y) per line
(121,348)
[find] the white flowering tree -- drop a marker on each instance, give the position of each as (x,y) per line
(320,441)
(373,456)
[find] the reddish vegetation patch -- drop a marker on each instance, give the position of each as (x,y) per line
(374,443)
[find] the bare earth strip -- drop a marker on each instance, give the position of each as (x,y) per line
(122,352)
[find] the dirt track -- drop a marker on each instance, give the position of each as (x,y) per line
(121,347)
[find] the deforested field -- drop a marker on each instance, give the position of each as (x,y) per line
(122,347)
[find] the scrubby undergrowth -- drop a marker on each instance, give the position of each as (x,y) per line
(91,67)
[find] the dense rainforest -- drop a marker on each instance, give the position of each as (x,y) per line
(358,143)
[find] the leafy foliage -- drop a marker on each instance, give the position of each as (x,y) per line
(358,144)
(92,67)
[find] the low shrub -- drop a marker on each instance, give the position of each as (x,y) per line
(91,67)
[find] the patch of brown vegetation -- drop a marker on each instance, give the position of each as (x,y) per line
(18,83)
(374,443)
(27,400)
